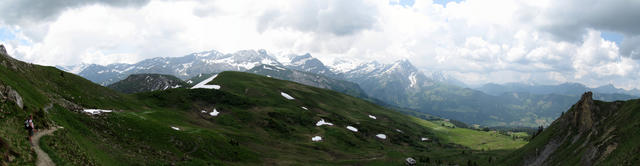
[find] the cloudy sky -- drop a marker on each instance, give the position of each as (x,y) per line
(477,41)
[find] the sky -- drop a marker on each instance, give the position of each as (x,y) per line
(476,41)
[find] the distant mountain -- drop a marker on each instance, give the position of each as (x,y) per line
(574,89)
(310,79)
(393,83)
(398,84)
(571,89)
(136,83)
(612,89)
(306,63)
(591,132)
(182,67)
(250,120)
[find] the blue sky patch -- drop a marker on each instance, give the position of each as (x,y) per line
(444,2)
(612,36)
(6,34)
(405,3)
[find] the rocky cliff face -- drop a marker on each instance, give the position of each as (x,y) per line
(581,117)
(588,134)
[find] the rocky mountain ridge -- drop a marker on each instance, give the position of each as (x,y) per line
(587,134)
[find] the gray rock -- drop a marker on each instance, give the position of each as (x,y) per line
(410,161)
(3,51)
(7,93)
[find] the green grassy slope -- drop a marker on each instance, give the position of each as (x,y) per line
(256,125)
(600,133)
(136,83)
(40,87)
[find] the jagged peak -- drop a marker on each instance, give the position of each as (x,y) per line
(583,111)
(3,51)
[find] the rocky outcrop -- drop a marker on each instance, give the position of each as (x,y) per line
(588,131)
(9,94)
(581,117)
(3,51)
(9,62)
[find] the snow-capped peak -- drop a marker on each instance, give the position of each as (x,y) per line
(75,69)
(344,65)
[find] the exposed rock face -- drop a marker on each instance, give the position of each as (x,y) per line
(3,51)
(7,93)
(9,62)
(582,116)
(589,131)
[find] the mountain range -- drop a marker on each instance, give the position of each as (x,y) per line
(573,89)
(399,84)
(248,119)
(239,118)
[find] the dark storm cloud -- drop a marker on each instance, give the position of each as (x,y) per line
(569,19)
(631,47)
(337,17)
(25,11)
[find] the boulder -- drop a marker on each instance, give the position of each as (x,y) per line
(410,161)
(8,93)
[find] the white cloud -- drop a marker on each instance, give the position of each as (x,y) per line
(474,40)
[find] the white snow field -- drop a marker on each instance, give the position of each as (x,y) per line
(204,85)
(95,111)
(322,122)
(372,117)
(381,136)
(214,112)
(316,139)
(285,95)
(352,128)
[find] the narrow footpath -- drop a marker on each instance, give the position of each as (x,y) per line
(43,158)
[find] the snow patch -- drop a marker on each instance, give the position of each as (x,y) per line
(305,108)
(175,128)
(204,85)
(424,139)
(372,117)
(381,136)
(96,111)
(352,128)
(316,139)
(285,95)
(399,131)
(322,122)
(214,112)
(413,79)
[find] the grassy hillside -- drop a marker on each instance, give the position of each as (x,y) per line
(136,83)
(591,133)
(256,125)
